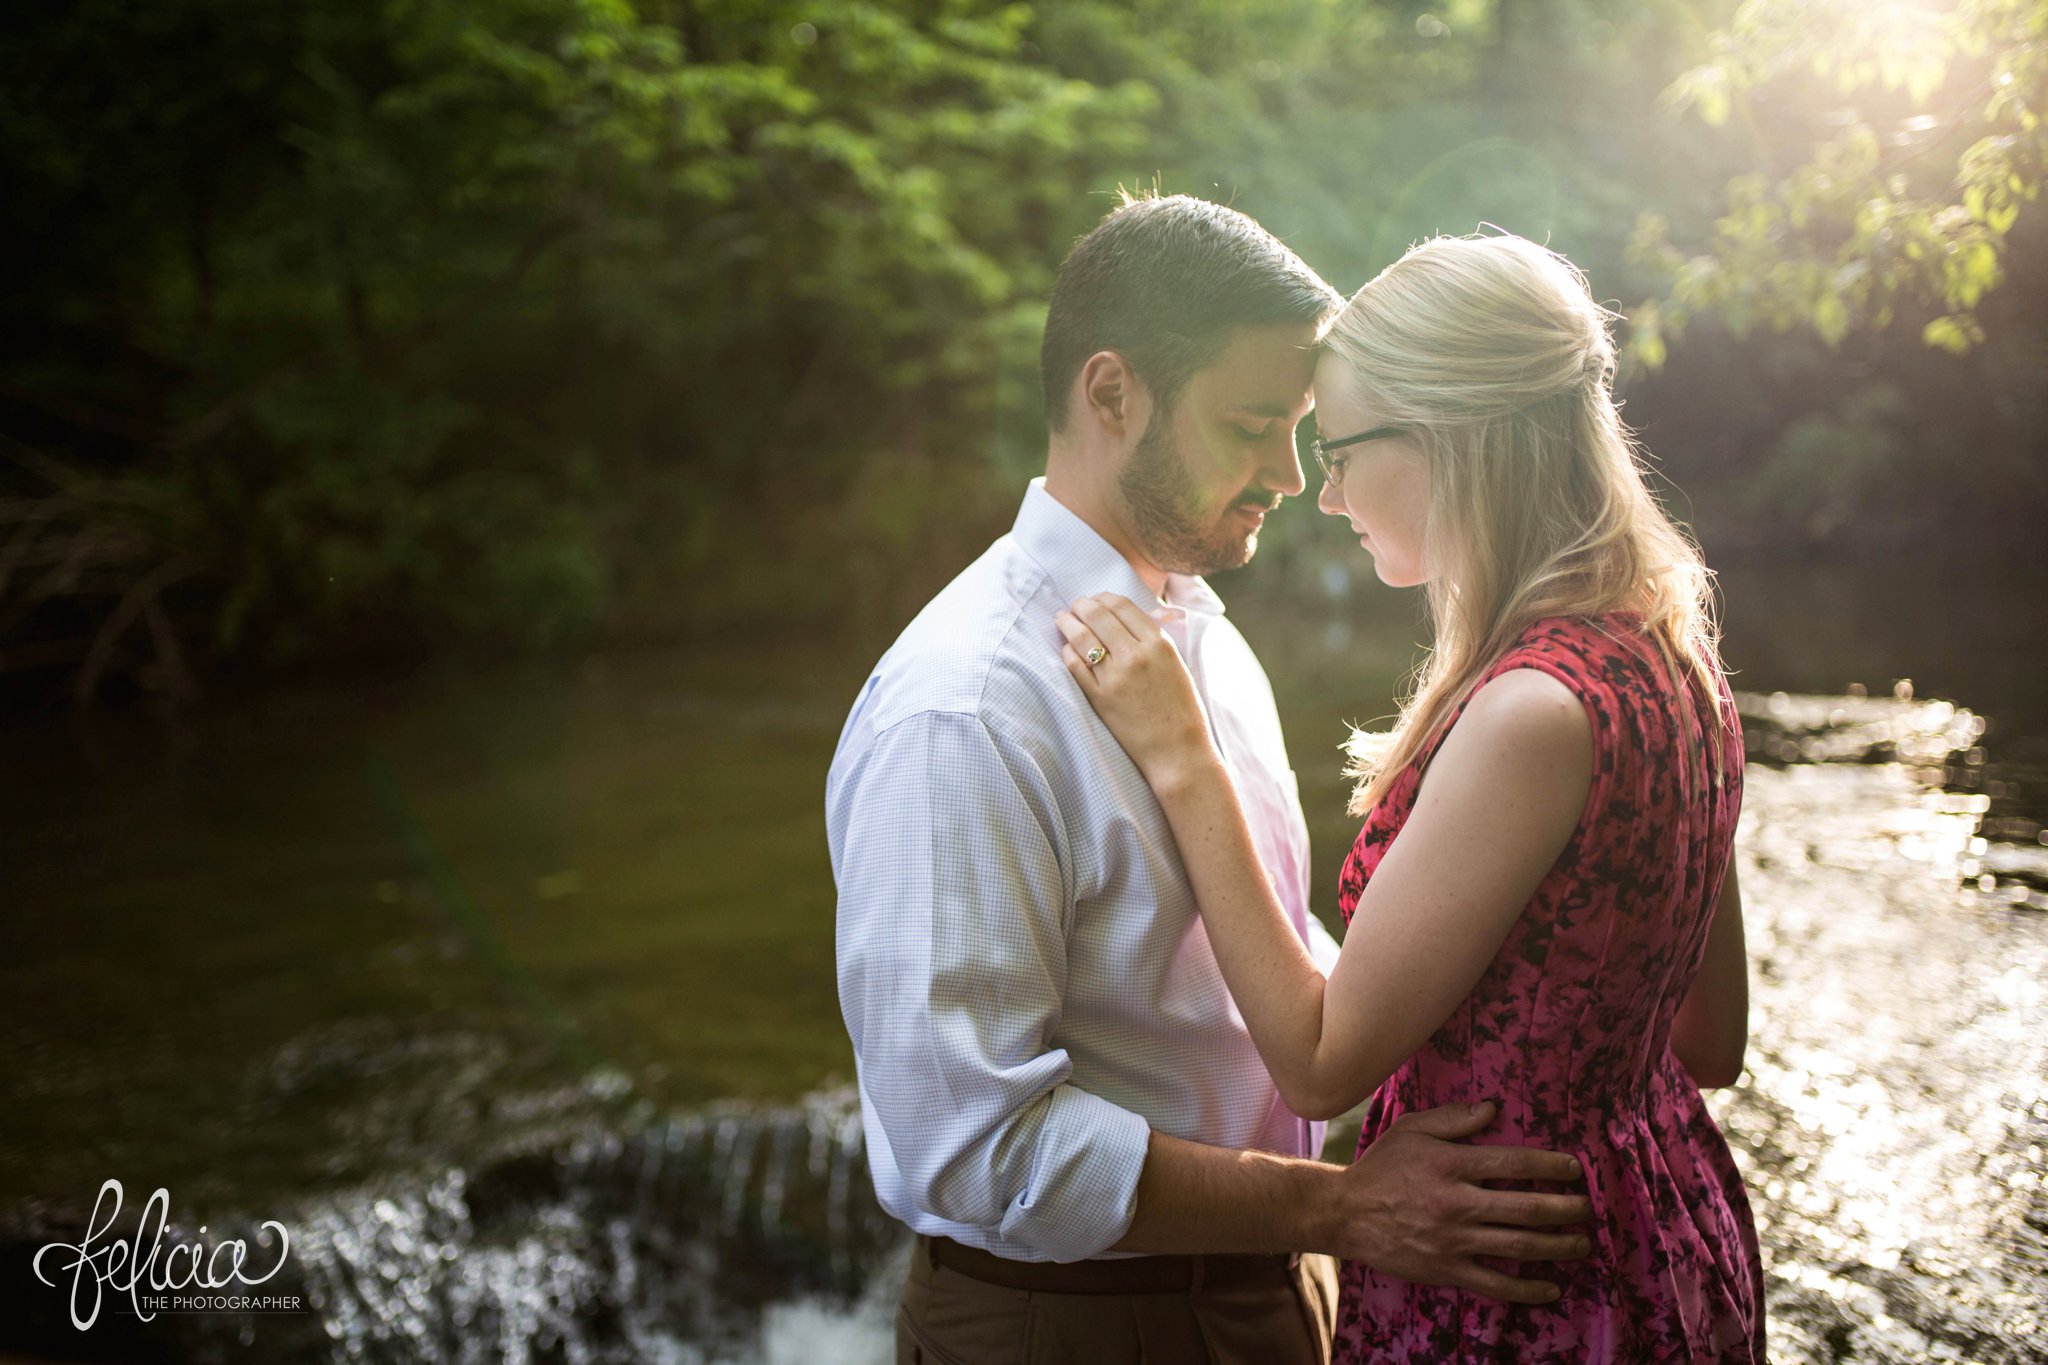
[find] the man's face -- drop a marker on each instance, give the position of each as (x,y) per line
(1199,482)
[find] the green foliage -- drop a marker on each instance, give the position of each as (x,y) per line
(1832,470)
(430,321)
(1903,138)
(384,503)
(416,294)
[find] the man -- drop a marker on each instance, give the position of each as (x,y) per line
(1060,1097)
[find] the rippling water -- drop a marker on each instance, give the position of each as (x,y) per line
(1893,1121)
(489,1148)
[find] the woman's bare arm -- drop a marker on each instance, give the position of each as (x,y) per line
(1502,798)
(1711,1033)
(1498,805)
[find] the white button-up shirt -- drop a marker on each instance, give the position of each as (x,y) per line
(1021,966)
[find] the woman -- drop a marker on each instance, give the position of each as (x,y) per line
(1542,907)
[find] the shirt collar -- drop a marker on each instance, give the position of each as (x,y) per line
(1080,562)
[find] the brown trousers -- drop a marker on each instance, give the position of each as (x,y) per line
(1285,1318)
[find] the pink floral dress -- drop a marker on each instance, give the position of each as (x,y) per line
(1569,1032)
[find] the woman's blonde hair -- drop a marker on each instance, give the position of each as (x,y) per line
(1493,353)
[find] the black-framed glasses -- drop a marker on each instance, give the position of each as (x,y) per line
(1333,469)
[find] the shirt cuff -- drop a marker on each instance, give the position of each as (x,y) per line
(1083,1190)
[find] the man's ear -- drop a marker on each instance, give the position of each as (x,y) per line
(1114,396)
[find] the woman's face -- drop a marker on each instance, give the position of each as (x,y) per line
(1382,487)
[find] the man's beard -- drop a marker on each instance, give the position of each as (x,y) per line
(1165,510)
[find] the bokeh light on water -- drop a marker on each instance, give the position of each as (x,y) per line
(1893,1120)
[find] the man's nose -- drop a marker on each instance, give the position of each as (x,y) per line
(1283,475)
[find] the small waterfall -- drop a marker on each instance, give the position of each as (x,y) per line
(733,1235)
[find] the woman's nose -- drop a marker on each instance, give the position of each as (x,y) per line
(1331,500)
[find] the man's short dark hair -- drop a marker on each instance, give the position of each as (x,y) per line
(1164,282)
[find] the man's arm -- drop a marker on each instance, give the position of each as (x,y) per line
(1410,1207)
(952,871)
(952,968)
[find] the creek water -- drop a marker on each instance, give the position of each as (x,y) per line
(509,997)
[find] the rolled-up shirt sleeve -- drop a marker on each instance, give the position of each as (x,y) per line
(954,897)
